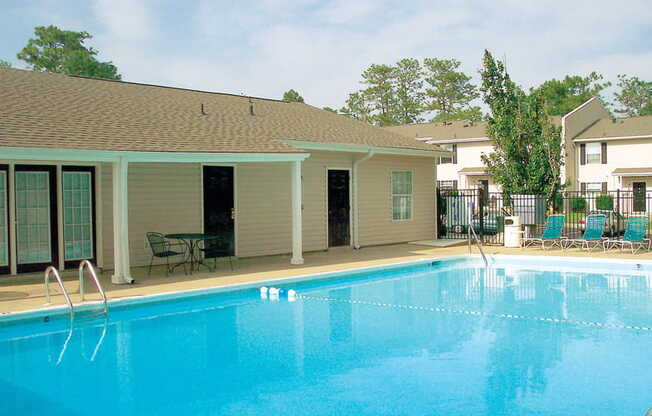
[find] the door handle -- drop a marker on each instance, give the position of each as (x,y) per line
(232,213)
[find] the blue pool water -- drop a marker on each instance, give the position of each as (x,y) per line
(526,337)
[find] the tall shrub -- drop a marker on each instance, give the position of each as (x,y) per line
(527,155)
(604,202)
(578,204)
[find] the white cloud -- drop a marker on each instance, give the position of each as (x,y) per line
(126,20)
(320,48)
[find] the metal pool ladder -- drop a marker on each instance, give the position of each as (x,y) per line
(52,270)
(86,265)
(473,234)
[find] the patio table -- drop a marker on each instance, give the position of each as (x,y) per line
(192,240)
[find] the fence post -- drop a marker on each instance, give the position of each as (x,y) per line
(481,203)
(618,211)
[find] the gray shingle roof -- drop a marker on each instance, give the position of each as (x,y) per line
(619,127)
(60,111)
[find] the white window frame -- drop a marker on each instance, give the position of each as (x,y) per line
(590,185)
(411,194)
(593,150)
(446,160)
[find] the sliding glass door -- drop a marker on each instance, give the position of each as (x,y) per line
(78,218)
(4,220)
(36,217)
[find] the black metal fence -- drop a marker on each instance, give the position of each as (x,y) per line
(460,209)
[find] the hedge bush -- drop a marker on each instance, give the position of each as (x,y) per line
(578,204)
(604,202)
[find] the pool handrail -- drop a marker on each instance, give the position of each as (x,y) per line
(477,242)
(87,265)
(53,270)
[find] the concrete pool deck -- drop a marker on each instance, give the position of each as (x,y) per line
(26,292)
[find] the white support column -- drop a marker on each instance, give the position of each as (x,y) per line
(122,268)
(297,207)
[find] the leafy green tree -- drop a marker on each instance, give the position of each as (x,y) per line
(64,52)
(449,91)
(408,86)
(563,96)
(635,96)
(332,110)
(292,96)
(527,155)
(5,64)
(358,107)
(380,93)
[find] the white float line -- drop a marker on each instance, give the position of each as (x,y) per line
(476,313)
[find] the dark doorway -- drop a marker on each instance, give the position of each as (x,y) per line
(639,196)
(219,210)
(339,229)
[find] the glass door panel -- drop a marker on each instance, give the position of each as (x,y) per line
(33,217)
(4,231)
(77,215)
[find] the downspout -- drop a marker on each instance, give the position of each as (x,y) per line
(356,211)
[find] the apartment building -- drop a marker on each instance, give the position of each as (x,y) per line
(466,141)
(615,154)
(601,153)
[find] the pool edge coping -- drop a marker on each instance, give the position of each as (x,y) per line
(29,314)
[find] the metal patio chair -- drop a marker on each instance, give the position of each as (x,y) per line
(162,248)
(551,233)
(634,236)
(592,236)
(217,248)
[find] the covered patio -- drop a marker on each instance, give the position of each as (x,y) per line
(167,196)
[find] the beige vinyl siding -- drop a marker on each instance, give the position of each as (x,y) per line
(167,198)
(376,224)
(264,216)
(163,198)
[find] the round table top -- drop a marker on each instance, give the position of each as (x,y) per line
(192,236)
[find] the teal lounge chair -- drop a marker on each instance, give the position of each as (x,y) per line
(592,237)
(551,233)
(634,237)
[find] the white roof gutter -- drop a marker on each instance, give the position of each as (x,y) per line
(430,140)
(336,147)
(72,155)
(602,139)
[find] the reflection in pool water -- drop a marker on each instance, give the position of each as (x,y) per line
(443,340)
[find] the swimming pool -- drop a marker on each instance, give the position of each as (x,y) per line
(530,335)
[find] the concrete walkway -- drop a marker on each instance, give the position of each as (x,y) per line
(21,293)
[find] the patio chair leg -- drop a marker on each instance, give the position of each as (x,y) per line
(149,271)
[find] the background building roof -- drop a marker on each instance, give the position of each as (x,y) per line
(619,127)
(59,111)
(442,131)
(453,130)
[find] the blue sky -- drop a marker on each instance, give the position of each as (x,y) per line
(320,48)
